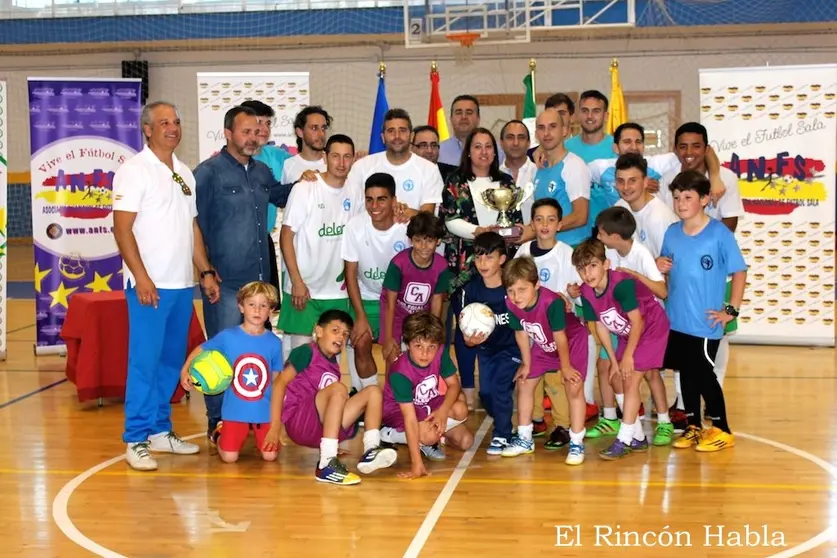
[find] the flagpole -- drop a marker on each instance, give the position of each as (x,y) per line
(532,65)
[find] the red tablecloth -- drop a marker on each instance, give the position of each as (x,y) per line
(95,332)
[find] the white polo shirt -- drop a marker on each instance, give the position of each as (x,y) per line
(163,228)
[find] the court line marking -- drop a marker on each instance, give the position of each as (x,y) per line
(31,393)
(62,519)
(447,491)
(830,531)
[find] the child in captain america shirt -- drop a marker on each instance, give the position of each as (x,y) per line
(255,355)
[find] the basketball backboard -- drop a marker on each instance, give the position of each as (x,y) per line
(437,23)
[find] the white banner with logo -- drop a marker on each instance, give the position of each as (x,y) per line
(4,184)
(775,127)
(286,92)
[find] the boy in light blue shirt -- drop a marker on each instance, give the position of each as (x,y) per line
(698,254)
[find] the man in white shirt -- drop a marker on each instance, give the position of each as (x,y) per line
(370,241)
(691,143)
(156,230)
(418,183)
(311,237)
(312,125)
(651,214)
(515,141)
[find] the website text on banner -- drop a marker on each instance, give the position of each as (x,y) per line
(4,178)
(775,128)
(81,132)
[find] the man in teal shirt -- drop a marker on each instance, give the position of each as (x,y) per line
(592,143)
(274,157)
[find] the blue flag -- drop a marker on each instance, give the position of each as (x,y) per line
(376,143)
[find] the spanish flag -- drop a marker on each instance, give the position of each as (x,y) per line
(618,113)
(436,113)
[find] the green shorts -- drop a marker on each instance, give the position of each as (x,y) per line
(614,341)
(302,322)
(733,324)
(373,314)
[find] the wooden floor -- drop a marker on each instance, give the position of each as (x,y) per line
(65,491)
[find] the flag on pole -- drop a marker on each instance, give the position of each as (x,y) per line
(530,107)
(436,113)
(618,112)
(376,142)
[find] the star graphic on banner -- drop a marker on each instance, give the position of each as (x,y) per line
(99,283)
(59,296)
(251,378)
(40,276)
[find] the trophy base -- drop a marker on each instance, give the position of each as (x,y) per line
(510,233)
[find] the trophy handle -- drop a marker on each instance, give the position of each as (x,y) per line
(485,200)
(525,193)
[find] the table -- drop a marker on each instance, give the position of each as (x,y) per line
(95,332)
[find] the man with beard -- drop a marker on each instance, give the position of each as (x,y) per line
(592,143)
(310,240)
(232,194)
(418,184)
(311,124)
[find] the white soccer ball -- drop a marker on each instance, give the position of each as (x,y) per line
(476,318)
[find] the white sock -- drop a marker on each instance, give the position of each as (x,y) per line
(371,439)
(590,380)
(620,400)
(370,381)
(355,379)
(610,413)
(525,432)
(663,418)
(328,450)
(626,433)
(578,437)
(680,405)
(722,359)
(639,433)
(452,423)
(392,436)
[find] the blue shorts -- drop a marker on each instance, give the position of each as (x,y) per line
(614,340)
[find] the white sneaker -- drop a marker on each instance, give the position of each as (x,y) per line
(139,458)
(169,442)
(575,456)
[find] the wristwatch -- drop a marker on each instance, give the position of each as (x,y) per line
(208,272)
(731,310)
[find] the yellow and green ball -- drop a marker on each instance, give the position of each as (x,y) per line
(210,372)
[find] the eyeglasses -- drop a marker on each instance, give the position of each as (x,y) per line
(426,145)
(182,183)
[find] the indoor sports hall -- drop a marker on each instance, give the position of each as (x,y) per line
(760,75)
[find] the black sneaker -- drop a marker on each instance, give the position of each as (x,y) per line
(559,438)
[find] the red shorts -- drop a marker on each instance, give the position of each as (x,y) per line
(234,434)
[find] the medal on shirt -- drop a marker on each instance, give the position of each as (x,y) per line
(504,200)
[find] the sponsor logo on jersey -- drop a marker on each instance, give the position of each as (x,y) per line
(250,377)
(376,274)
(333,229)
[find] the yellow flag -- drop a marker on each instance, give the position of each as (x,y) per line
(618,113)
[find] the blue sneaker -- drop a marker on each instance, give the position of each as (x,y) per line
(433,453)
(617,450)
(336,473)
(497,446)
(575,455)
(376,458)
(639,446)
(519,446)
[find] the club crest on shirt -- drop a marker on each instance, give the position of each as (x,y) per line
(706,262)
(417,293)
(544,275)
(552,186)
(535,331)
(408,185)
(614,322)
(250,377)
(642,235)
(399,245)
(347,204)
(426,391)
(327,379)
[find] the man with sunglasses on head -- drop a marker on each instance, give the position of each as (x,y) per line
(233,192)
(156,229)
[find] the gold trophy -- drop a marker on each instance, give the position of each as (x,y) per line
(504,200)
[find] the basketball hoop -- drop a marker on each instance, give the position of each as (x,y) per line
(466,42)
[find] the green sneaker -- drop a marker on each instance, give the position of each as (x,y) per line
(605,427)
(663,434)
